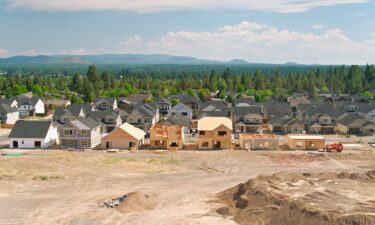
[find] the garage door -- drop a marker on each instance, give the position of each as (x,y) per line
(354,130)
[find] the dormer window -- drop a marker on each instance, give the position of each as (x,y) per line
(104,106)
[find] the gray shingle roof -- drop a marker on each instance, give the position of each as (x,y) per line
(32,101)
(30,129)
(87,122)
(243,111)
(4,109)
(176,120)
(349,119)
(108,100)
(212,106)
(184,98)
(99,116)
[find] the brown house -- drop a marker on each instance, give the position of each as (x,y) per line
(124,137)
(166,136)
(259,141)
(305,142)
(215,133)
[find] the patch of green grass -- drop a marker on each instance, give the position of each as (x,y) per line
(40,177)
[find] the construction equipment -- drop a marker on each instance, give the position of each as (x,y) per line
(336,147)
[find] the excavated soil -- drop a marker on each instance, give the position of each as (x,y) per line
(326,198)
(136,202)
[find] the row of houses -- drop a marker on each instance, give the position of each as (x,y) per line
(84,133)
(333,114)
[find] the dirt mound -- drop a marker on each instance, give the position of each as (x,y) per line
(136,202)
(297,159)
(306,198)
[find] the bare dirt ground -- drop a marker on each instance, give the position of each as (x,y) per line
(54,187)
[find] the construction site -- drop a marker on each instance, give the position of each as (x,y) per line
(187,187)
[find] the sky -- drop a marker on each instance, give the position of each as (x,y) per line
(267,31)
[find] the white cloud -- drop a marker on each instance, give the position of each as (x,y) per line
(257,42)
(283,6)
(373,33)
(318,26)
(3,52)
(30,52)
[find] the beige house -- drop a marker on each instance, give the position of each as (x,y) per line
(215,133)
(258,141)
(167,136)
(124,137)
(305,142)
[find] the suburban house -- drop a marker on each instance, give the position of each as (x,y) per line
(181,110)
(285,125)
(190,101)
(8,115)
(305,142)
(213,109)
(182,121)
(322,118)
(296,100)
(163,105)
(354,124)
(274,108)
(258,142)
(33,134)
(214,133)
(163,136)
(144,116)
(138,98)
(30,106)
(80,133)
(105,103)
(126,105)
(247,119)
(64,115)
(124,137)
(367,111)
(109,119)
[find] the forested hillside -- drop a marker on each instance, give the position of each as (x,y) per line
(85,84)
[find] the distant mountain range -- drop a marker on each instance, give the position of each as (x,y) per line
(113,59)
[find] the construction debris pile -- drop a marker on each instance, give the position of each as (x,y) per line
(113,202)
(131,202)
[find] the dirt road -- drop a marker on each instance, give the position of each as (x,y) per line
(66,188)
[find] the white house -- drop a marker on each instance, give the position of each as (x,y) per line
(181,110)
(8,114)
(33,134)
(31,106)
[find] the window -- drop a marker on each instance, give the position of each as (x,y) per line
(84,132)
(173,113)
(23,142)
(205,144)
(222,133)
(139,120)
(104,106)
(174,144)
(68,132)
(84,143)
(202,132)
(70,142)
(184,113)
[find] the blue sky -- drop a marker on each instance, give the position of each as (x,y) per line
(272,31)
